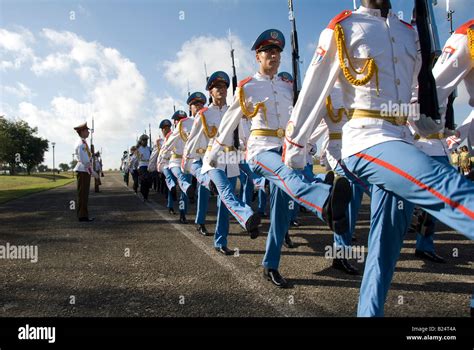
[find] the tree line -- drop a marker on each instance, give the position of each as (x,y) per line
(19,146)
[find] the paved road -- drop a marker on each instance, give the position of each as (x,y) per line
(84,269)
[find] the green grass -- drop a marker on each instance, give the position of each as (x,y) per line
(13,187)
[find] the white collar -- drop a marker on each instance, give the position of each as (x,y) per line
(260,76)
(212,105)
(373,12)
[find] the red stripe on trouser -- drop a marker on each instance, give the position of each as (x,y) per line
(289,191)
(450,202)
(233,212)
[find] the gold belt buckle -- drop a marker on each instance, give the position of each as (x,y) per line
(280,132)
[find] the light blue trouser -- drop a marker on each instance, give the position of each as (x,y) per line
(390,218)
(279,224)
(201,178)
(203,193)
(222,225)
(259,184)
(358,188)
(426,243)
(170,183)
(292,185)
(294,211)
(237,208)
(345,240)
(310,176)
(399,170)
(262,201)
(184,181)
(246,182)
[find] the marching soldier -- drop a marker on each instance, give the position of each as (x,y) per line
(376,73)
(453,66)
(172,152)
(124,166)
(133,167)
(170,180)
(334,117)
(225,174)
(143,157)
(196,102)
(83,171)
(266,100)
(250,181)
(152,164)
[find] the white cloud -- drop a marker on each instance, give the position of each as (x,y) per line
(112,89)
(20,90)
(215,52)
(164,108)
(56,62)
(14,48)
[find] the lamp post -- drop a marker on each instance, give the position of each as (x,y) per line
(54,144)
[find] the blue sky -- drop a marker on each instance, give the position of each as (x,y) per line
(127,62)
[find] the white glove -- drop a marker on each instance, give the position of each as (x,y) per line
(212,157)
(294,157)
(427,126)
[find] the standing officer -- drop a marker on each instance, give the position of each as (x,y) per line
(376,78)
(83,171)
(173,150)
(267,100)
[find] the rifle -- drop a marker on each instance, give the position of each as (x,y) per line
(449,107)
(207,79)
(149,131)
(295,56)
(189,94)
(92,145)
(234,87)
(430,51)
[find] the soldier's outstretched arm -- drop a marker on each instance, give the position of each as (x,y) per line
(168,146)
(194,139)
(454,65)
(319,80)
(319,132)
(225,134)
